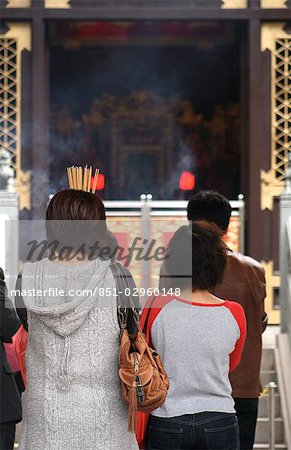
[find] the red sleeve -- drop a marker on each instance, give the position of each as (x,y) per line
(151,310)
(239,315)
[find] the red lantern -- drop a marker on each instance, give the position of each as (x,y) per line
(100,182)
(187,181)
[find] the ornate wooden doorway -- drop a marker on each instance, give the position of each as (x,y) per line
(138,132)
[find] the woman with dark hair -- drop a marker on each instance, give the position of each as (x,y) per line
(72,398)
(200,339)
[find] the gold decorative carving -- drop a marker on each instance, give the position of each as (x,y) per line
(58,4)
(12,43)
(22,186)
(270,188)
(275,39)
(272,283)
(274,4)
(234,4)
(18,4)
(22,33)
(270,31)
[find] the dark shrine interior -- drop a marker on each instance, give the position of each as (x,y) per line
(145,102)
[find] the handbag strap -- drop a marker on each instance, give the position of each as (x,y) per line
(127,308)
(145,325)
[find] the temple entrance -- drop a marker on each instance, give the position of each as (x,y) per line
(146,101)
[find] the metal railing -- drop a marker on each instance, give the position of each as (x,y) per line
(283,350)
(146,208)
(285,254)
(272,387)
(149,211)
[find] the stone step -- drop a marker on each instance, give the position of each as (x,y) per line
(266,446)
(263,429)
(268,359)
(264,406)
(268,376)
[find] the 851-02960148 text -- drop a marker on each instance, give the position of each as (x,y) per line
(136,292)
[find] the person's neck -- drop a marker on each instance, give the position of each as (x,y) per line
(200,296)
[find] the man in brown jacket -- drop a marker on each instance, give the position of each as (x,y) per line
(243,282)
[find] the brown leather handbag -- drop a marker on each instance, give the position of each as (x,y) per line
(144,381)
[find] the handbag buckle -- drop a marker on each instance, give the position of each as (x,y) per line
(139,390)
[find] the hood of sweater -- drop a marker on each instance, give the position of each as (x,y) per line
(61,295)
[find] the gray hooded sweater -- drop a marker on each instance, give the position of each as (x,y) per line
(73,396)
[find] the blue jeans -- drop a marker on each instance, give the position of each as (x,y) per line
(207,430)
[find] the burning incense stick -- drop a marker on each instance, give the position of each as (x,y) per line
(80,178)
(95,180)
(85,179)
(89,179)
(70,178)
(74,172)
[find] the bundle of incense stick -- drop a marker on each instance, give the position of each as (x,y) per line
(80,178)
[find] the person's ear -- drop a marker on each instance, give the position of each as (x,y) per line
(224,236)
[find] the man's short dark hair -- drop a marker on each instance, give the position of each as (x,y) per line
(210,206)
(196,257)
